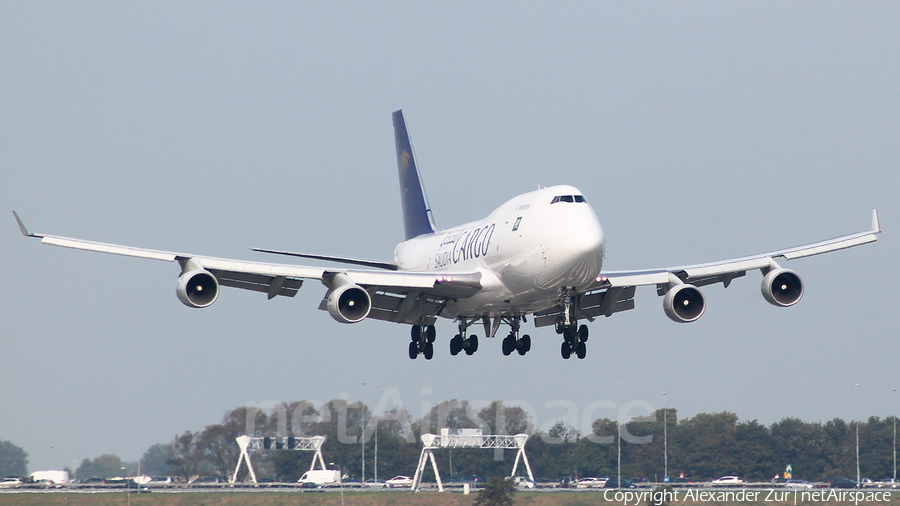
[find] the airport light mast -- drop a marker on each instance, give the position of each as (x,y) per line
(857,441)
(665,438)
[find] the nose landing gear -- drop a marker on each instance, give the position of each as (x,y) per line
(574,337)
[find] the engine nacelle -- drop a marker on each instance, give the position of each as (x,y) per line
(349,303)
(684,303)
(782,287)
(197,288)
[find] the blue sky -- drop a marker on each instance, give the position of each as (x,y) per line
(697,130)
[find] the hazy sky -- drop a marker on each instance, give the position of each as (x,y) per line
(697,131)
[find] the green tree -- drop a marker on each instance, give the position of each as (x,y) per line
(104,466)
(153,462)
(13,460)
(496,492)
(185,459)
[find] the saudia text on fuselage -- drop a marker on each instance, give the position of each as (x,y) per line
(462,245)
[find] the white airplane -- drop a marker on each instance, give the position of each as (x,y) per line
(540,254)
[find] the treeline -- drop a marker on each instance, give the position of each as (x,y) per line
(703,447)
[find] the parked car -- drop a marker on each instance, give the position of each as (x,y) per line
(591,483)
(207,479)
(886,483)
(728,480)
(523,482)
(798,484)
(160,481)
(375,484)
(10,482)
(612,483)
(472,479)
(841,483)
(399,481)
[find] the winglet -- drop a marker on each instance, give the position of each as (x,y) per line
(875,227)
(24,230)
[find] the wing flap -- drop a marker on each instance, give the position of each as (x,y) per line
(271,285)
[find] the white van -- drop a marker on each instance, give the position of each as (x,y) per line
(53,477)
(321,477)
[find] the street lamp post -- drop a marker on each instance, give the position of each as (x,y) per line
(895,434)
(665,439)
(857,440)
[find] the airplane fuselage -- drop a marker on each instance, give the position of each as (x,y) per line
(526,250)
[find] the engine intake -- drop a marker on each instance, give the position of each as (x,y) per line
(684,303)
(197,288)
(782,287)
(349,303)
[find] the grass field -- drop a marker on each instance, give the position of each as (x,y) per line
(370,499)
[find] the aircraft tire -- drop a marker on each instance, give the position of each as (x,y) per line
(415,333)
(581,350)
(456,345)
(560,326)
(471,345)
(430,333)
(566,350)
(413,350)
(429,351)
(524,344)
(508,345)
(583,333)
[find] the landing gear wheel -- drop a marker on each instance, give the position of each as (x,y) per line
(413,350)
(456,345)
(471,345)
(508,344)
(560,325)
(583,333)
(523,346)
(581,350)
(430,333)
(429,351)
(566,350)
(415,333)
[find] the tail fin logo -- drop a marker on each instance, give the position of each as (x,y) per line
(404,164)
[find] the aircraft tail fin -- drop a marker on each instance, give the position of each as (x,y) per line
(417,218)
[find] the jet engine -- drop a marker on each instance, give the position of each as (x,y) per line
(197,288)
(348,302)
(782,287)
(684,303)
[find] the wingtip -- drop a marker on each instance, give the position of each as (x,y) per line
(875,227)
(22,228)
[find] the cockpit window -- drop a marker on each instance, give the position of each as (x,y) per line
(568,198)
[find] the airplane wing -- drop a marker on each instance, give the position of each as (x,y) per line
(396,295)
(614,290)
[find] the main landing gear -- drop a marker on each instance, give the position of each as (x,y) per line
(460,342)
(422,341)
(574,337)
(513,342)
